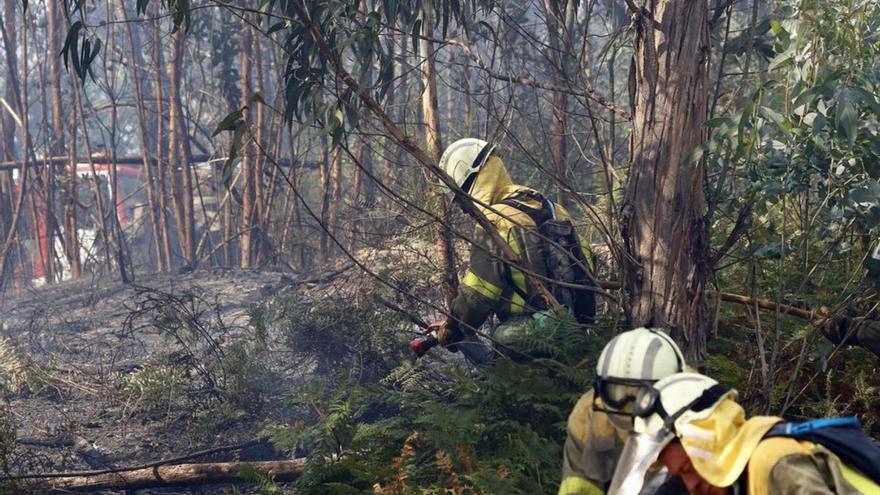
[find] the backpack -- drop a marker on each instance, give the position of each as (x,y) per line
(842,436)
(560,255)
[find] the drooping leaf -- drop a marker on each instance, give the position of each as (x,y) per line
(846,116)
(228,122)
(416,34)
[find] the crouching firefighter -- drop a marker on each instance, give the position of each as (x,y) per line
(693,426)
(538,231)
(603,417)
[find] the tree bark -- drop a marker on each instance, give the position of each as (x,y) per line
(56,140)
(8,32)
(330,203)
(162,164)
(143,129)
(181,180)
(248,211)
(663,230)
(434,148)
(559,99)
(70,206)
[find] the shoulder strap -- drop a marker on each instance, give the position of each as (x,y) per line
(798,429)
(539,216)
(842,436)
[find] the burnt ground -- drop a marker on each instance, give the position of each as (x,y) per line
(99,381)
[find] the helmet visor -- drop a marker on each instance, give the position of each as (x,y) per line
(640,452)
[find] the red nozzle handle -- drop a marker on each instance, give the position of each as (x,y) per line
(422,345)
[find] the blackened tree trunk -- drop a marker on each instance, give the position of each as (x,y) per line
(662,226)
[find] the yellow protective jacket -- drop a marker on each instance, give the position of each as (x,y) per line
(486,288)
(592,448)
(786,466)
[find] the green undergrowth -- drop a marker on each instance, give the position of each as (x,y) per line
(429,426)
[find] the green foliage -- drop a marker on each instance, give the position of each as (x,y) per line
(14,370)
(420,428)
(333,336)
(157,384)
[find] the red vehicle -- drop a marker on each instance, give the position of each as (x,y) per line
(129,200)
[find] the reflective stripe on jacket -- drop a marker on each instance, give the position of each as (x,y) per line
(488,285)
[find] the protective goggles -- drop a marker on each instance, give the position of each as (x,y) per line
(647,402)
(609,389)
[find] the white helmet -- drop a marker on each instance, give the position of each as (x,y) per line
(677,399)
(464,158)
(632,359)
(661,411)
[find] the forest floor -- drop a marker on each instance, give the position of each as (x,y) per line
(97,390)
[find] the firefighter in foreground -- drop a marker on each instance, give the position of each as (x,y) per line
(694,427)
(602,418)
(538,231)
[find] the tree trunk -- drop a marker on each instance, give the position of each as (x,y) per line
(331,200)
(258,159)
(161,163)
(325,194)
(56,143)
(248,210)
(559,99)
(19,97)
(70,206)
(96,186)
(664,234)
(181,181)
(434,148)
(143,129)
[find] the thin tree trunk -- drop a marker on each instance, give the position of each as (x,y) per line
(325,194)
(161,164)
(57,138)
(559,99)
(70,206)
(116,200)
(259,118)
(143,132)
(181,184)
(248,209)
(434,147)
(12,85)
(185,152)
(96,186)
(662,227)
(332,198)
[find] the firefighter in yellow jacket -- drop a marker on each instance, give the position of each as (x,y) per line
(491,285)
(602,418)
(694,427)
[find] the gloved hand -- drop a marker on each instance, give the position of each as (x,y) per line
(449,334)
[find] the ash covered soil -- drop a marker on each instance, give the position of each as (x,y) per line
(100,374)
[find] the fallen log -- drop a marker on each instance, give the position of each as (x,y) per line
(174,475)
(784,309)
